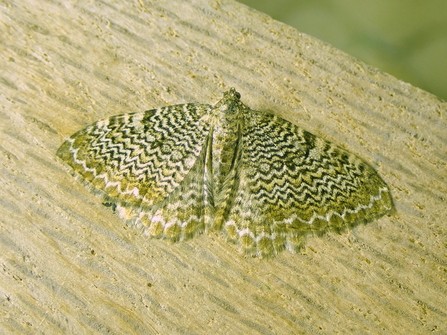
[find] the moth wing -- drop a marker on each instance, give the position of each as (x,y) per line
(291,183)
(139,159)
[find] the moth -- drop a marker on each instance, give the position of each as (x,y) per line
(265,183)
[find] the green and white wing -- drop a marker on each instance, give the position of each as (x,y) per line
(150,164)
(292,183)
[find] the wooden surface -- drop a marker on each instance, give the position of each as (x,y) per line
(69,265)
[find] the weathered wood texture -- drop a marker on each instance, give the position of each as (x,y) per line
(69,265)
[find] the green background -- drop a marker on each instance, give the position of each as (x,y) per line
(407,39)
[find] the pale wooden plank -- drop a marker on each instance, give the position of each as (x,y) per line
(69,265)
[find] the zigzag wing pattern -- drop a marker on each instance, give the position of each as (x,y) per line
(179,170)
(293,183)
(184,213)
(139,159)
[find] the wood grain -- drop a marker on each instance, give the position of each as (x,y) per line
(69,265)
